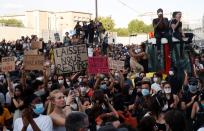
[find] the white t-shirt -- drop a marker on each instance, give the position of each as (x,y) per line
(44,123)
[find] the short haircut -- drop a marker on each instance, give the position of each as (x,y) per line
(159,10)
(36,84)
(75,121)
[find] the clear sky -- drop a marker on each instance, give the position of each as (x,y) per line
(117,9)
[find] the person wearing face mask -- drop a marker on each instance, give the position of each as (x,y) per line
(32,118)
(172,79)
(38,86)
(61,80)
(142,100)
(157,77)
(190,96)
(40,90)
(68,83)
(172,99)
(197,113)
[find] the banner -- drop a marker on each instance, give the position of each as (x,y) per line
(116,64)
(98,65)
(70,59)
(36,45)
(8,64)
(33,62)
(31,52)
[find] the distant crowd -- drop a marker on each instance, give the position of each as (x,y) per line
(129,99)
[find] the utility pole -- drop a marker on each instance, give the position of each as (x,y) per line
(96,8)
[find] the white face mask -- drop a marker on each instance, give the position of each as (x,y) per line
(61,82)
(14,85)
(80,79)
(155,79)
(49,85)
(24,45)
(138,50)
(40,78)
(73,106)
(83,90)
(167,90)
(68,83)
(40,92)
(171,73)
(116,74)
(165,107)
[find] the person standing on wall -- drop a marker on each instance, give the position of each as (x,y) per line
(161,30)
(177,32)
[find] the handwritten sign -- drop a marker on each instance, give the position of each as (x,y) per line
(36,45)
(8,64)
(116,64)
(98,65)
(31,52)
(33,62)
(70,59)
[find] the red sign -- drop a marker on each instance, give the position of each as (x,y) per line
(98,65)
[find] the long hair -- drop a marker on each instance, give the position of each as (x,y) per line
(51,106)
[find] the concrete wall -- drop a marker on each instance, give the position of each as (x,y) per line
(135,40)
(13,33)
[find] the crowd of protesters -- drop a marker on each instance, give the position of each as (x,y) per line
(122,100)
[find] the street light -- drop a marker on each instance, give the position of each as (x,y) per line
(96,8)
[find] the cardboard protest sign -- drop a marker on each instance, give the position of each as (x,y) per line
(116,64)
(70,59)
(36,45)
(33,62)
(31,52)
(98,65)
(8,64)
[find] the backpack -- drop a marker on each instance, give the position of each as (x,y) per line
(199,121)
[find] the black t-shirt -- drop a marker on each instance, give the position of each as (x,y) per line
(187,98)
(174,21)
(163,26)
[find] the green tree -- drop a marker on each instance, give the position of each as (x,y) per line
(137,26)
(121,31)
(11,22)
(108,23)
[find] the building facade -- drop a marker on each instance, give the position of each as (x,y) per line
(46,23)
